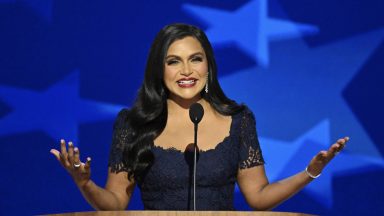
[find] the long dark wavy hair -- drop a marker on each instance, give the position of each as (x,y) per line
(148,116)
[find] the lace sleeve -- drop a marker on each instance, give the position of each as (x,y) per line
(119,140)
(250,152)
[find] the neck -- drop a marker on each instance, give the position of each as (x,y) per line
(181,106)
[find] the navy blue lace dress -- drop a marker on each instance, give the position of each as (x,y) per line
(167,184)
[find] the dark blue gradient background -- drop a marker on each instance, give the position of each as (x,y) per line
(311,71)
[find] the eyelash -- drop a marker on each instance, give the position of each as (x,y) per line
(171,62)
(197,59)
(174,61)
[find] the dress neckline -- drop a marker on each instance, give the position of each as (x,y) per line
(173,149)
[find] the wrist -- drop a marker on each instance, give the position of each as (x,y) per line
(310,174)
(83,184)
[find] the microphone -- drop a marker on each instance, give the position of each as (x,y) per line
(196,113)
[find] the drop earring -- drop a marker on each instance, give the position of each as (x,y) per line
(206,84)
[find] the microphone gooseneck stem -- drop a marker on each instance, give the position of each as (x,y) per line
(196,113)
(194,169)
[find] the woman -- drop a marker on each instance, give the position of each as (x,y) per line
(150,139)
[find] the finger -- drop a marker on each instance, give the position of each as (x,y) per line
(59,157)
(326,156)
(76,157)
(87,165)
(333,150)
(321,156)
(341,142)
(56,154)
(344,143)
(334,147)
(63,148)
(339,145)
(70,152)
(63,154)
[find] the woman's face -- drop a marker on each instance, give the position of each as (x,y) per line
(185,69)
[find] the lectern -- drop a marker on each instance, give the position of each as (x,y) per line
(181,213)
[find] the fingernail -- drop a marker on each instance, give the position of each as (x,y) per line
(88,159)
(62,140)
(70,143)
(76,149)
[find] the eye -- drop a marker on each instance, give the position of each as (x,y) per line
(172,62)
(197,59)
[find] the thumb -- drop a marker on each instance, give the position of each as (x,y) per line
(55,153)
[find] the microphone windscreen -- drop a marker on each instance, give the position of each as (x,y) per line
(196,113)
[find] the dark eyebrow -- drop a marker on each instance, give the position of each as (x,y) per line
(197,53)
(172,56)
(191,56)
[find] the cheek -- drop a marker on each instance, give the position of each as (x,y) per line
(170,75)
(202,69)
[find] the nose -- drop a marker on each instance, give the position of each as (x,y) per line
(186,70)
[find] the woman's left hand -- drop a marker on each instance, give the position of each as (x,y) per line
(320,160)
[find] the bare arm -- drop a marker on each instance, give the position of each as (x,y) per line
(115,195)
(262,195)
(117,191)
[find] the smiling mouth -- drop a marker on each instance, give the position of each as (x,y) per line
(187,83)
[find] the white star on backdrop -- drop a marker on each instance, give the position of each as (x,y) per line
(249,27)
(58,111)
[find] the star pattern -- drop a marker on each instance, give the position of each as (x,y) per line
(57,111)
(295,90)
(286,158)
(318,92)
(249,27)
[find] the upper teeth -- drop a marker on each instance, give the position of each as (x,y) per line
(186,81)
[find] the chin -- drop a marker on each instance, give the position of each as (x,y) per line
(188,96)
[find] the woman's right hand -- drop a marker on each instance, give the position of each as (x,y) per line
(70,160)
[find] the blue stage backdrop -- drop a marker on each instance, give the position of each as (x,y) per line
(312,71)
